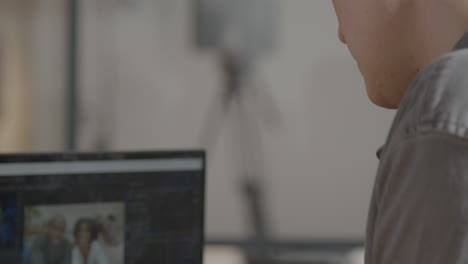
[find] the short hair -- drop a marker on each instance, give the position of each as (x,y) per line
(57,218)
(111,218)
(93,228)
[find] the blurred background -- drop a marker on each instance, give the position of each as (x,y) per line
(265,86)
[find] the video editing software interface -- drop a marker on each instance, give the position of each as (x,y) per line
(131,211)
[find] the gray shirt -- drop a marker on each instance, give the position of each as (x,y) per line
(42,253)
(419,207)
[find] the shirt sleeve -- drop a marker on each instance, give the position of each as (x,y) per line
(97,255)
(67,254)
(76,256)
(422,202)
(37,254)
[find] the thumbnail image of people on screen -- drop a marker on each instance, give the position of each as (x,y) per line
(74,234)
(51,246)
(87,249)
(110,242)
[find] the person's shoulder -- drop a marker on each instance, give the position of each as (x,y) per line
(96,246)
(39,239)
(437,100)
(67,244)
(97,254)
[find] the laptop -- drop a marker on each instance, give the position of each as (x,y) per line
(102,208)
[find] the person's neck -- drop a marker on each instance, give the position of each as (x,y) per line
(439,28)
(85,253)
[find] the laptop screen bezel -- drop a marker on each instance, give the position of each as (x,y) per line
(31,158)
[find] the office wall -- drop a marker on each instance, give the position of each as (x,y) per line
(15,31)
(48,74)
(147,87)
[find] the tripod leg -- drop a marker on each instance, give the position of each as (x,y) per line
(220,108)
(265,100)
(252,169)
(217,112)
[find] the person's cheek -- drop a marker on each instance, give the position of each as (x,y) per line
(336,6)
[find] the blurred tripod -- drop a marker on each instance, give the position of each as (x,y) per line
(234,98)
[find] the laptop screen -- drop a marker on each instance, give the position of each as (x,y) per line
(120,208)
